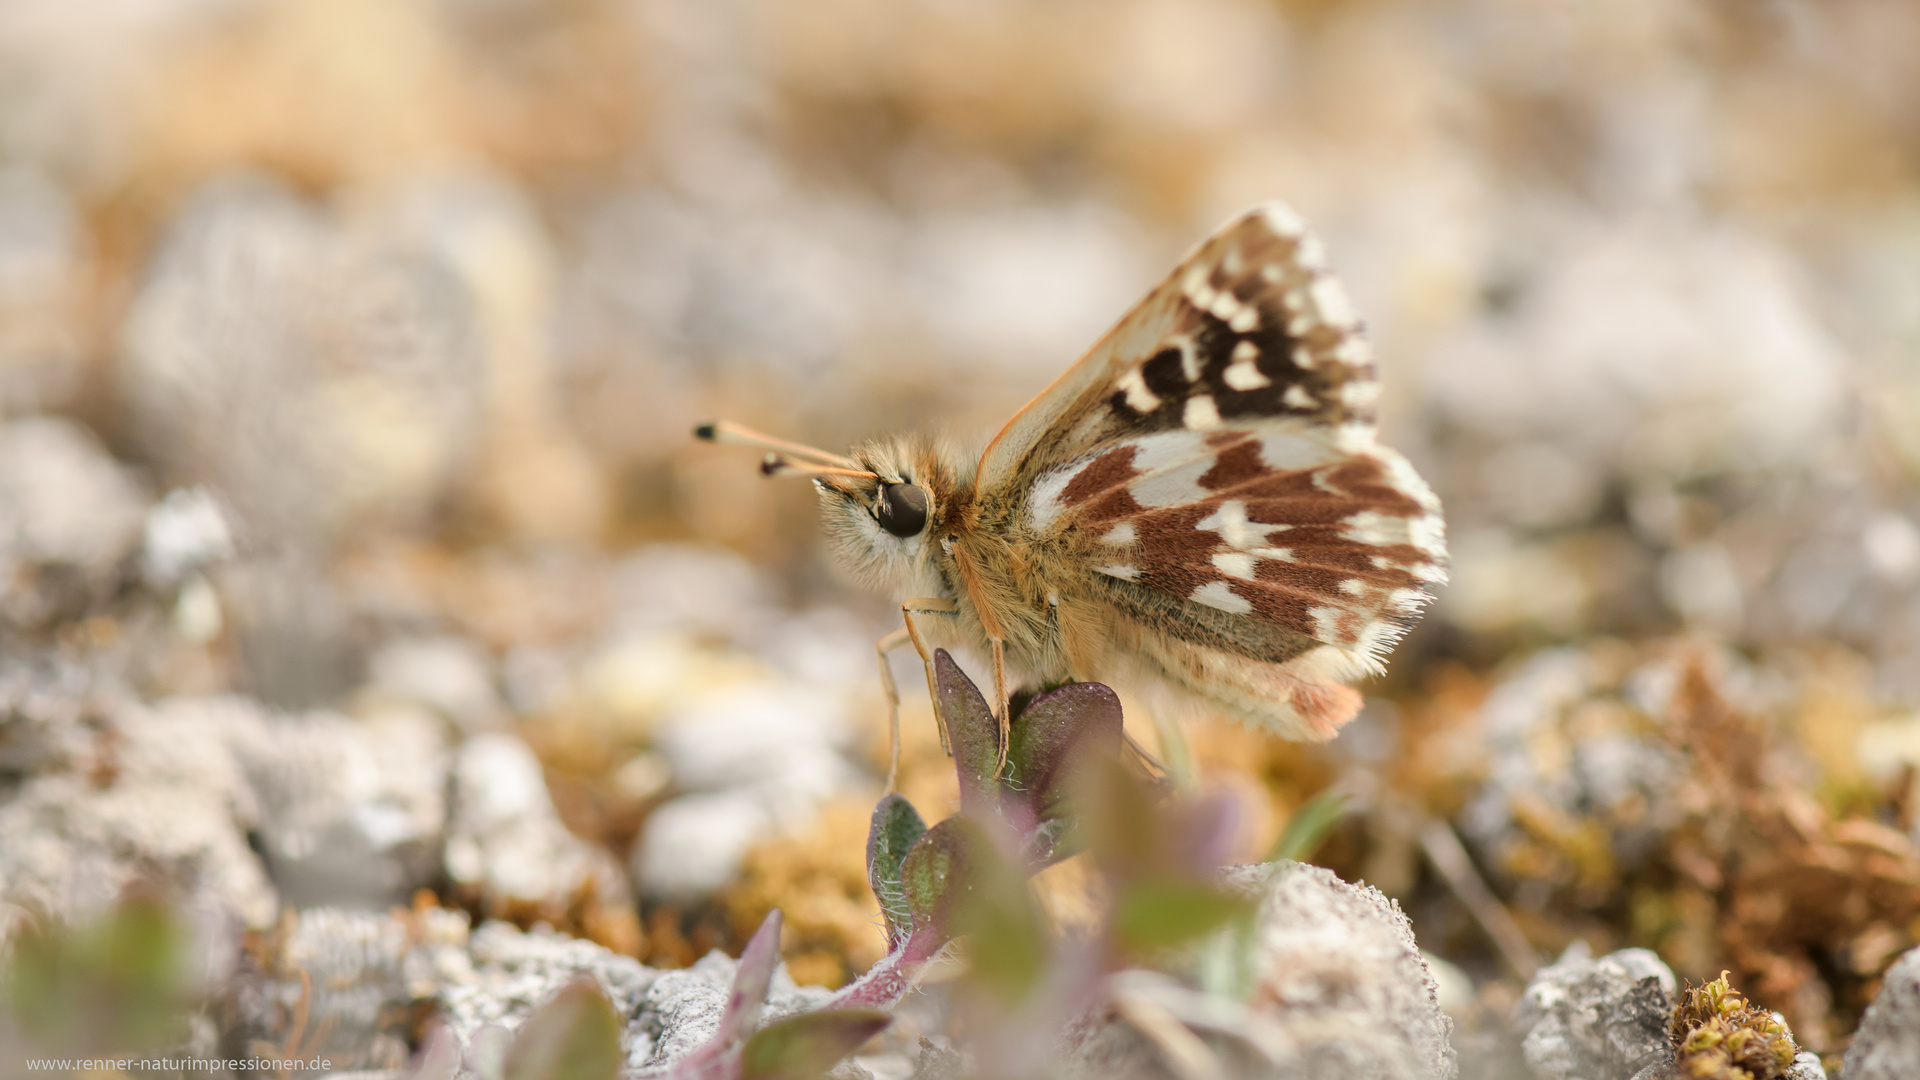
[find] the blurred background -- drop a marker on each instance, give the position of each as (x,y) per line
(353,550)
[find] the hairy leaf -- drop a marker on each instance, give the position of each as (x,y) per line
(973,732)
(896,825)
(936,868)
(1057,726)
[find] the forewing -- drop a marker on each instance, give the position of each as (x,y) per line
(1250,327)
(1213,460)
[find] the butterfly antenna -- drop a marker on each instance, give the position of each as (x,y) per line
(722,431)
(776,465)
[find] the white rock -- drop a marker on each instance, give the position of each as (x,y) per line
(352,811)
(1887,1046)
(447,674)
(693,845)
(505,839)
(63,499)
(168,804)
(185,532)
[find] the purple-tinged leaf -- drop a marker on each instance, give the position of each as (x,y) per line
(1057,726)
(896,825)
(886,982)
(806,1046)
(751,980)
(973,732)
(1119,821)
(1205,833)
(574,1036)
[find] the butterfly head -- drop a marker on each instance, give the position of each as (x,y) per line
(886,520)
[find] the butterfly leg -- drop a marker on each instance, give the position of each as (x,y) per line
(884,646)
(929,606)
(1005,711)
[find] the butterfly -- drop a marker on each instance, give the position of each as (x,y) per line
(1200,500)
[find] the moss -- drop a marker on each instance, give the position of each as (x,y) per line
(1718,1035)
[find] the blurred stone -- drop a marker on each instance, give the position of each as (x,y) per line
(1605,1019)
(1340,992)
(42,252)
(507,846)
(1331,953)
(450,675)
(185,532)
(1887,1046)
(158,802)
(1574,750)
(682,1008)
(347,984)
(507,974)
(691,589)
(298,643)
(693,845)
(532,475)
(351,811)
(68,516)
(761,760)
(321,376)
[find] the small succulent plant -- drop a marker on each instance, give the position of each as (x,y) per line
(1061,787)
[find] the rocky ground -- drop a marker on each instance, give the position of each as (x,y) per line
(378,656)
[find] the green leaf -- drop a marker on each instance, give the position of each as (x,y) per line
(972,731)
(117,984)
(1307,829)
(935,867)
(575,1036)
(1163,913)
(1007,942)
(896,825)
(1059,725)
(805,1046)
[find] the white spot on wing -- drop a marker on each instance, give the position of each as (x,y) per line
(1242,373)
(1331,304)
(1236,531)
(1119,570)
(1139,397)
(1189,357)
(1197,288)
(1120,535)
(1246,320)
(1292,450)
(1297,397)
(1234,564)
(1217,594)
(1359,394)
(1201,413)
(1044,505)
(1281,220)
(1173,487)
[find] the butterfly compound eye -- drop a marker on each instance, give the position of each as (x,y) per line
(903,509)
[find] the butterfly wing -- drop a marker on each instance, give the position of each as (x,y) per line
(1211,463)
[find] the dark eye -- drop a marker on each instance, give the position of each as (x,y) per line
(902,510)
